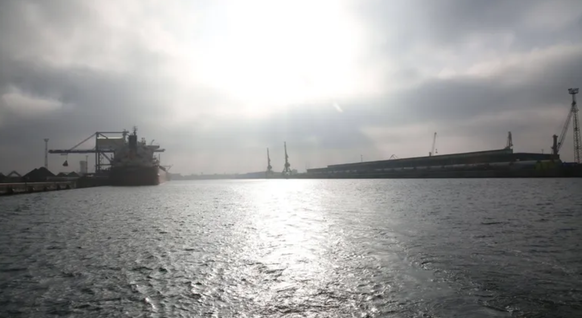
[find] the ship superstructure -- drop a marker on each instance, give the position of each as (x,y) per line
(135,153)
(134,163)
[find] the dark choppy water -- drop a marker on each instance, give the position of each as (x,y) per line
(296,248)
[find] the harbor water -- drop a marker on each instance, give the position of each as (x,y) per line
(296,248)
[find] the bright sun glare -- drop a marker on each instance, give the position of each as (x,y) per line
(270,54)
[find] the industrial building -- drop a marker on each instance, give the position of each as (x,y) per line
(502,159)
(492,163)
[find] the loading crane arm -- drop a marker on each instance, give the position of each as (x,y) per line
(432,150)
(562,135)
(509,143)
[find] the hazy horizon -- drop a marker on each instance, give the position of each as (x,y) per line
(216,83)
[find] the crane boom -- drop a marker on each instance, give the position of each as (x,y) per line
(269,167)
(573,92)
(564,132)
(85,151)
(509,143)
(572,116)
(286,169)
(433,145)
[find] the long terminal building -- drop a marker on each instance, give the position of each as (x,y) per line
(491,163)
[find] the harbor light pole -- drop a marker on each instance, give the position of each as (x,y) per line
(46,153)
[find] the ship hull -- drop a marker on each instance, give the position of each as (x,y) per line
(137,176)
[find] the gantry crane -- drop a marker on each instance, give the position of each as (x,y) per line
(572,116)
(100,152)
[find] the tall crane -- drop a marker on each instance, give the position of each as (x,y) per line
(269,167)
(286,169)
(46,140)
(572,116)
(433,150)
(509,144)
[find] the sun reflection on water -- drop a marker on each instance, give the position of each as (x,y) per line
(291,247)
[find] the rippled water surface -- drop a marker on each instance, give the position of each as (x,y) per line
(296,248)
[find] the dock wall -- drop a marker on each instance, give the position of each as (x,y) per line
(51,185)
(30,187)
(574,172)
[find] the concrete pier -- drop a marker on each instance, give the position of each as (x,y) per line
(11,188)
(30,187)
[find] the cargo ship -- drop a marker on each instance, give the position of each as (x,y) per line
(134,164)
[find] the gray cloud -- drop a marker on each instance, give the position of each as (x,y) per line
(449,23)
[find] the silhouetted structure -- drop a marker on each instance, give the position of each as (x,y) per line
(121,157)
(509,144)
(287,168)
(493,163)
(572,116)
(46,140)
(269,167)
(573,92)
(433,149)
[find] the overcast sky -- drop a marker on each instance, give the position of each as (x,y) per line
(217,82)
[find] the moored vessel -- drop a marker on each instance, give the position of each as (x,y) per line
(134,164)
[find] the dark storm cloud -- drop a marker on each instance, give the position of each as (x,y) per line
(35,27)
(462,98)
(92,101)
(91,98)
(447,102)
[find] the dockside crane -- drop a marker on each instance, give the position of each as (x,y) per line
(509,144)
(269,167)
(101,153)
(286,169)
(433,150)
(572,116)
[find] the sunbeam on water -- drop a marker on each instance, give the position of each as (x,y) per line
(295,248)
